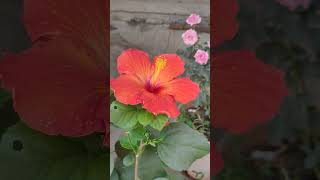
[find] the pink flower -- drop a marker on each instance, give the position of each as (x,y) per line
(190,37)
(193,19)
(294,4)
(201,57)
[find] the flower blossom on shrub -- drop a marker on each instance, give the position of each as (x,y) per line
(294,4)
(237,78)
(193,19)
(246,92)
(190,37)
(201,57)
(59,84)
(154,85)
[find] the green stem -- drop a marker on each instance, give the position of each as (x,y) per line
(136,168)
(137,156)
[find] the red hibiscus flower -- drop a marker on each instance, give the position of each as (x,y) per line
(246,92)
(59,84)
(155,85)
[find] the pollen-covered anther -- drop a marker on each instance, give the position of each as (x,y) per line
(159,64)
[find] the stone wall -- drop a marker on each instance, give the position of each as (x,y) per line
(154,26)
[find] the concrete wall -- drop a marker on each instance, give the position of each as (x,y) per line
(154,26)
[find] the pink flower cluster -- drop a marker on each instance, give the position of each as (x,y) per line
(193,19)
(201,57)
(190,37)
(294,4)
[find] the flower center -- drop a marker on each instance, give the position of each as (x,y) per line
(160,64)
(152,88)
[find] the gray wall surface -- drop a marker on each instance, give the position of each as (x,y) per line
(154,26)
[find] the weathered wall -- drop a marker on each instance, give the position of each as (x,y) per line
(154,26)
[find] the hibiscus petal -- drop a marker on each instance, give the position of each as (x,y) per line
(135,62)
(159,104)
(57,88)
(246,92)
(65,17)
(177,88)
(217,161)
(173,68)
(127,89)
(84,20)
(224,20)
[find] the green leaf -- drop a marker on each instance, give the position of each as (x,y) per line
(127,117)
(161,178)
(137,133)
(150,166)
(124,116)
(290,121)
(132,138)
(174,175)
(145,118)
(124,172)
(128,160)
(35,156)
(128,143)
(120,151)
(181,146)
(156,122)
(159,122)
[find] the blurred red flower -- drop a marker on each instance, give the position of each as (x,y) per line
(59,84)
(246,92)
(156,85)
